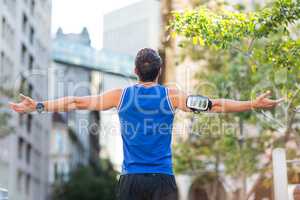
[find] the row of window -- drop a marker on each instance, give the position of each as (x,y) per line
(24,148)
(61,171)
(31,4)
(23,182)
(6,64)
(28,29)
(27,58)
(7,32)
(28,185)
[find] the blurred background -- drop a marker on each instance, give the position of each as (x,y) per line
(50,49)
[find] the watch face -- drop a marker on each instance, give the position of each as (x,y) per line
(40,107)
(197,102)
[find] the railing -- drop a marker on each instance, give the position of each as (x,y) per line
(3,194)
(280,178)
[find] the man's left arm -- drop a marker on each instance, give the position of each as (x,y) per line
(227,105)
(179,100)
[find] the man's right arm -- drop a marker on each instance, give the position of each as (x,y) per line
(104,101)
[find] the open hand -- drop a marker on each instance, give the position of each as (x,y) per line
(25,106)
(263,102)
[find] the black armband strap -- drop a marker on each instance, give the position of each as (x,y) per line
(198,103)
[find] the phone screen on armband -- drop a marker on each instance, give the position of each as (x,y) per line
(198,103)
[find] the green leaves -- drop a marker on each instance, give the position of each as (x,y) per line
(212,29)
(223,29)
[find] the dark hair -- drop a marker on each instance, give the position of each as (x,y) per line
(147,63)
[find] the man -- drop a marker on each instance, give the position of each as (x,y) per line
(146,112)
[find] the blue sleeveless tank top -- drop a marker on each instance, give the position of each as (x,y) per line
(146,118)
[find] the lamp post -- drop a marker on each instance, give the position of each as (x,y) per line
(280,174)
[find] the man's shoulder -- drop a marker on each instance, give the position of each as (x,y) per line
(173,91)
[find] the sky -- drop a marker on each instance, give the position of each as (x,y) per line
(73,15)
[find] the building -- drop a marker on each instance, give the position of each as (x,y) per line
(78,70)
(24,59)
(131,28)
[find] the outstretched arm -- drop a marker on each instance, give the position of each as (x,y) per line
(105,101)
(179,100)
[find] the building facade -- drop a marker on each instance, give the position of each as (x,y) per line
(24,60)
(133,27)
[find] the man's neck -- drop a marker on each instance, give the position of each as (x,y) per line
(148,83)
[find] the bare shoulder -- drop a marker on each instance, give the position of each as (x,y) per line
(112,96)
(178,98)
(175,92)
(117,91)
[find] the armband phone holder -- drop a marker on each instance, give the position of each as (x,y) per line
(198,103)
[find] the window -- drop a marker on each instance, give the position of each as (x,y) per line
(2,57)
(29,123)
(19,180)
(24,22)
(31,35)
(28,153)
(23,54)
(55,171)
(30,89)
(27,184)
(31,62)
(3,26)
(20,148)
(32,6)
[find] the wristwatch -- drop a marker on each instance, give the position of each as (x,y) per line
(40,107)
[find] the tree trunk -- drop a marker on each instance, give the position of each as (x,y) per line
(216,185)
(166,49)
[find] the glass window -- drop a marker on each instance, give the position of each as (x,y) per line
(32,6)
(31,62)
(20,148)
(29,123)
(28,154)
(2,64)
(3,25)
(24,22)
(27,184)
(31,35)
(23,54)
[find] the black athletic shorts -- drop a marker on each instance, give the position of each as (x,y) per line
(147,187)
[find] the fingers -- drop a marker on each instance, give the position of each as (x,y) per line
(23,97)
(278,101)
(264,95)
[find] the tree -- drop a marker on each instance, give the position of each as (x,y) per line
(242,50)
(89,184)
